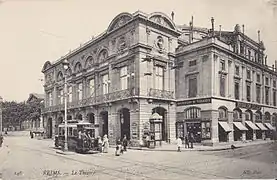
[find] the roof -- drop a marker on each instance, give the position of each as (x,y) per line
(37,96)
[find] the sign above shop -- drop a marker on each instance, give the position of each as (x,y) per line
(248,106)
(195,101)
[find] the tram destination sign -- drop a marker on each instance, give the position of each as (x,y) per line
(248,106)
(195,101)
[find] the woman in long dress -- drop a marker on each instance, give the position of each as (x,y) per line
(105,144)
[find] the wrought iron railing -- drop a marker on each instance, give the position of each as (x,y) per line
(105,98)
(161,93)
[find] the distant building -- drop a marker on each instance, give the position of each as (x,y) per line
(36,124)
(213,84)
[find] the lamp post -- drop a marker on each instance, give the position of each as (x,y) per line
(1,122)
(65,66)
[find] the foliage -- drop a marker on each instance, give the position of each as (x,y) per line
(15,113)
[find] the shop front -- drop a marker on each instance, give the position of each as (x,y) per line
(261,132)
(223,131)
(270,131)
(251,130)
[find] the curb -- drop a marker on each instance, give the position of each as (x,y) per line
(65,153)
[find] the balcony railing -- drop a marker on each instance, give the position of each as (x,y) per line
(106,98)
(161,93)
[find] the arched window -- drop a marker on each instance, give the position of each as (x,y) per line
(89,62)
(192,113)
(102,55)
(222,113)
(78,68)
(248,115)
(237,114)
(60,76)
(69,72)
(267,116)
(274,119)
(258,116)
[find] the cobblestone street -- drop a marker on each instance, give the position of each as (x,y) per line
(25,158)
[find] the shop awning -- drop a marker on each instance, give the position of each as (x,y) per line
(251,125)
(240,126)
(261,126)
(269,126)
(225,126)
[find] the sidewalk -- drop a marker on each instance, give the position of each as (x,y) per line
(198,147)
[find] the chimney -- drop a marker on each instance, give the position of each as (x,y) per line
(191,28)
(172,16)
(259,40)
(265,60)
(219,30)
(212,21)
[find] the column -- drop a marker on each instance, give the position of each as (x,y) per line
(113,127)
(171,116)
(98,131)
(243,122)
(230,122)
(134,125)
(214,128)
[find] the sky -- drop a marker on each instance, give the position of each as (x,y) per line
(35,31)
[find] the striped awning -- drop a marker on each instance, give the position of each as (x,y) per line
(240,126)
(269,126)
(261,126)
(225,126)
(251,125)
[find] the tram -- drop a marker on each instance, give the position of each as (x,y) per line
(80,136)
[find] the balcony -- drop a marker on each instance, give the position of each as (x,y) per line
(106,98)
(157,93)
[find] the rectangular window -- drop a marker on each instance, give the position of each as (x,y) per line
(248,93)
(159,81)
(274,98)
(222,86)
(123,78)
(206,130)
(222,65)
(258,94)
(266,81)
(258,78)
(236,90)
(237,70)
(91,87)
(105,83)
(266,95)
(192,87)
(70,94)
(80,91)
(249,54)
(50,99)
(274,84)
(241,48)
(192,63)
(248,74)
(60,97)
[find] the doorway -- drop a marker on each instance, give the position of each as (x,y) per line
(49,124)
(105,127)
(162,112)
(124,117)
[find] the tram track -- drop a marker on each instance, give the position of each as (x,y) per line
(152,166)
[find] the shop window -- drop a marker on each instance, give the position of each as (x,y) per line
(206,130)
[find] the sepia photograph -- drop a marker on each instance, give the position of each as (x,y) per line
(138,90)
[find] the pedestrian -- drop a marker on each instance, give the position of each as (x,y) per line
(179,144)
(125,143)
(147,141)
(1,140)
(100,147)
(191,140)
(118,148)
(105,144)
(186,141)
(31,134)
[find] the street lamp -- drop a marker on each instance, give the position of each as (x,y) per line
(65,66)
(1,122)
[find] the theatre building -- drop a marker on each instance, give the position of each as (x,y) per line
(118,79)
(225,91)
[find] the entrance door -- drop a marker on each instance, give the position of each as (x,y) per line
(105,128)
(195,129)
(49,128)
(125,123)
